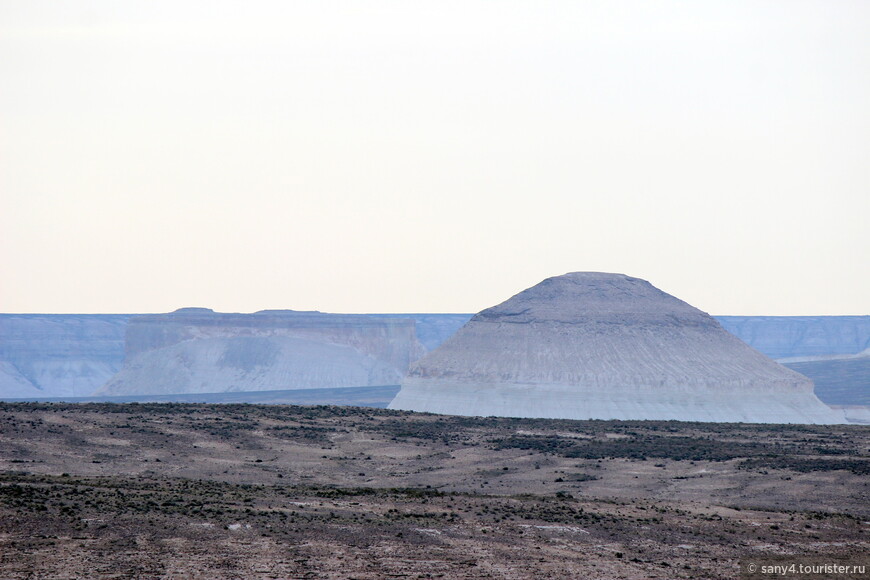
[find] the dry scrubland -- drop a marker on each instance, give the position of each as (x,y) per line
(247,491)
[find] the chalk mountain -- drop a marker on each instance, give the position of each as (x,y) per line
(59,355)
(781,337)
(196,350)
(591,345)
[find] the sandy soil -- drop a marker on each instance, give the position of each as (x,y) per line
(247,491)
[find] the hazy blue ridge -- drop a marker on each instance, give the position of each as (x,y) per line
(71,355)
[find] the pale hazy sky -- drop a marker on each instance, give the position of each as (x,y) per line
(374,156)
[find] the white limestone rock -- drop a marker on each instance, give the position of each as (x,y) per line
(591,345)
(781,337)
(59,355)
(14,385)
(196,350)
(433,329)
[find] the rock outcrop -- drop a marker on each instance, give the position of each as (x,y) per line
(196,350)
(840,379)
(73,355)
(799,336)
(59,355)
(605,346)
(433,329)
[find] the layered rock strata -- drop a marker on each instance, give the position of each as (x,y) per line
(59,355)
(196,350)
(592,345)
(799,336)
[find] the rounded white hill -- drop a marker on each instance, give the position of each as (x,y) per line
(591,345)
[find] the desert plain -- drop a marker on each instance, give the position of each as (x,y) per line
(171,490)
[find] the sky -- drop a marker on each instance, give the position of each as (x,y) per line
(396,156)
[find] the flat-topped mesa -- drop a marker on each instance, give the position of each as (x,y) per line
(393,339)
(591,345)
(595,297)
(59,355)
(196,350)
(799,336)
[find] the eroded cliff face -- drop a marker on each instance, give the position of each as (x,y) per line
(800,336)
(59,355)
(433,329)
(73,355)
(605,346)
(199,351)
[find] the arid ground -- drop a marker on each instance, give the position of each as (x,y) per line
(253,491)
